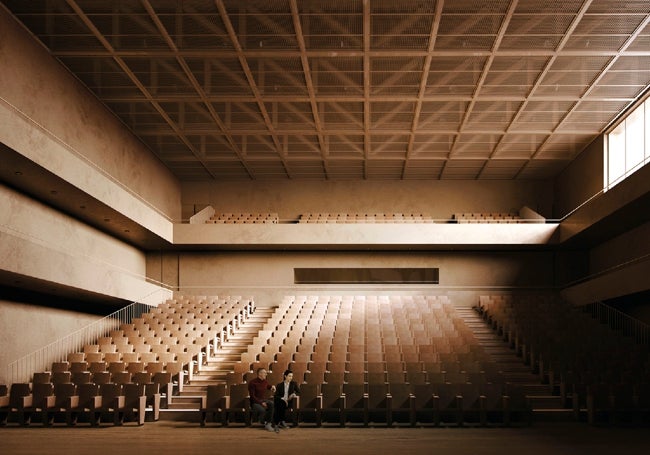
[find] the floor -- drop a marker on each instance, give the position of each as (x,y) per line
(180,438)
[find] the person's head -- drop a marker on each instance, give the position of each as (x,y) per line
(288,375)
(261,373)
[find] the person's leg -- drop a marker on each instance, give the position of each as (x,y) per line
(260,411)
(280,409)
(268,416)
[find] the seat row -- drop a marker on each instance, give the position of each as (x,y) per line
(489,217)
(383,404)
(86,402)
(239,218)
(365,218)
(594,368)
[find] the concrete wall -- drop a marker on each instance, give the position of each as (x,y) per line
(40,242)
(581,180)
(620,250)
(37,327)
(439,198)
(48,116)
(269,275)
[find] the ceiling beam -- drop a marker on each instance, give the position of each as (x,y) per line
(538,82)
(486,69)
(366,86)
(435,25)
(637,31)
(197,87)
(251,80)
(148,96)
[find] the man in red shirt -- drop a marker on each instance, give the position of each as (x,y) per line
(257,389)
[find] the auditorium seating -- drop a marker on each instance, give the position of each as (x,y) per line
(599,373)
(488,217)
(244,218)
(360,349)
(365,218)
(152,353)
(380,360)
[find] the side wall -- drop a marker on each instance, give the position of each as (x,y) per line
(48,116)
(269,275)
(39,326)
(617,266)
(39,242)
(580,181)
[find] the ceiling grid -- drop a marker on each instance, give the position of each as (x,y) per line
(355,89)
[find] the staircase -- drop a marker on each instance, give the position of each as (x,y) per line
(186,404)
(545,405)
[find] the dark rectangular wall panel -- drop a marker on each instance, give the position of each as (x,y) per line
(365,275)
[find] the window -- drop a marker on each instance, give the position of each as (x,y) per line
(628,146)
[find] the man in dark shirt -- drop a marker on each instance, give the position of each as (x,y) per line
(259,403)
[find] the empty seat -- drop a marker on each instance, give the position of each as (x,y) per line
(355,409)
(309,404)
(101,377)
(42,378)
(112,403)
(215,404)
(19,401)
(81,377)
(401,407)
(332,404)
(135,403)
(238,406)
(65,400)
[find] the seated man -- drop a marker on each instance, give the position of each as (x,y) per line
(257,389)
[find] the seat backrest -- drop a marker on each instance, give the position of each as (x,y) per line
(132,393)
(17,392)
(63,392)
(61,377)
(354,395)
(162,378)
(239,397)
(42,378)
(142,377)
(308,395)
(493,393)
(59,367)
(76,357)
(81,377)
(151,389)
(101,377)
(121,377)
(331,394)
(423,395)
(109,393)
(95,367)
(154,367)
(215,395)
(377,394)
(400,394)
(40,391)
(115,367)
(87,392)
(447,394)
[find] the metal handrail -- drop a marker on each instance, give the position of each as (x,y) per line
(625,324)
(21,370)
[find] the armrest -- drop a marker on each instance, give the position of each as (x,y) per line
(49,402)
(26,401)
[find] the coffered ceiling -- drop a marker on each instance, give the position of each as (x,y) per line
(355,89)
